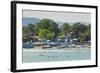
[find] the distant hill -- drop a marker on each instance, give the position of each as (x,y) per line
(26,21)
(33,20)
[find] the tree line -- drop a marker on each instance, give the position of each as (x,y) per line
(49,30)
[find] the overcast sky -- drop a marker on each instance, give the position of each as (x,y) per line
(58,16)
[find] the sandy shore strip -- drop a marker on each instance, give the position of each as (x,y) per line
(55,50)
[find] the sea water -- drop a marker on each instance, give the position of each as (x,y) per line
(29,56)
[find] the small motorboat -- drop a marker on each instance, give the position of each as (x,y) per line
(46,46)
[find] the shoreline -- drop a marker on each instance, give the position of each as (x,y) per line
(55,50)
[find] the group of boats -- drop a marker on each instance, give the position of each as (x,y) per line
(48,44)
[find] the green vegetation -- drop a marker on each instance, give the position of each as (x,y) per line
(45,34)
(65,29)
(46,29)
(49,30)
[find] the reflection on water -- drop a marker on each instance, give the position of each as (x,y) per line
(55,55)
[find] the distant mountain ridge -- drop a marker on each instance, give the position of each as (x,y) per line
(33,20)
(26,21)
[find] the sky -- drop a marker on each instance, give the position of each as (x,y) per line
(58,16)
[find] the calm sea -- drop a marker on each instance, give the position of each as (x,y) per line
(58,55)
